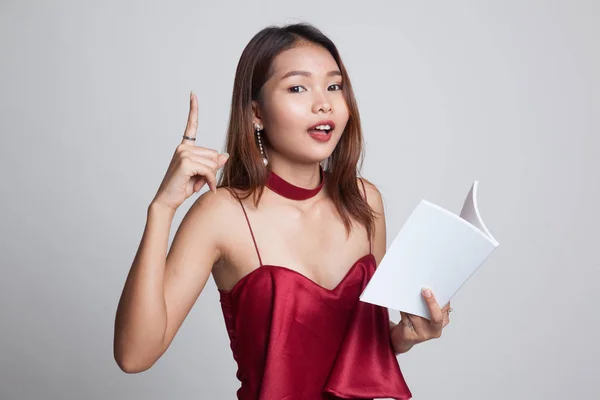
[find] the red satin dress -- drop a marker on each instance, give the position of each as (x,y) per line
(293,339)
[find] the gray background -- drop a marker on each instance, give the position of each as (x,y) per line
(94,99)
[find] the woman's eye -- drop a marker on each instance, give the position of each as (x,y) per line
(293,89)
(339,87)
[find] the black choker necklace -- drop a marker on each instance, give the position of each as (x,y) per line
(286,189)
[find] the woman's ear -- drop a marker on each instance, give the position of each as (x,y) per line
(256,114)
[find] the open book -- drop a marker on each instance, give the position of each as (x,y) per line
(436,249)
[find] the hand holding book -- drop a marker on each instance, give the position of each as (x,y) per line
(412,329)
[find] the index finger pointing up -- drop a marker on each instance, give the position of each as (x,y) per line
(192,122)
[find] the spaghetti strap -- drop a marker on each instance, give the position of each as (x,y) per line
(249,226)
(365,192)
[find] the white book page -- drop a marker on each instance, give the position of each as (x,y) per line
(470,212)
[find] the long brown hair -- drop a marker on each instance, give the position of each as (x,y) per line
(245,170)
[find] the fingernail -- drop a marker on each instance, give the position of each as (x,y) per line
(191,95)
(427,292)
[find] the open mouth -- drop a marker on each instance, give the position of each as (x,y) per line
(322,128)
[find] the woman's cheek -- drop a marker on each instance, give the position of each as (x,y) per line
(290,114)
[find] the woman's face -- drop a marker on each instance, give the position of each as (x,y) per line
(304,91)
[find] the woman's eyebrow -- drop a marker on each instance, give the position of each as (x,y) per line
(308,74)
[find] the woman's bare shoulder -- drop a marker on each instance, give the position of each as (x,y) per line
(216,206)
(210,222)
(373,194)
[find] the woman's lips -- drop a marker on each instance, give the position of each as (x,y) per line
(321,136)
(324,122)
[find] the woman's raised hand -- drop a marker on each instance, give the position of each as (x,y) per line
(191,166)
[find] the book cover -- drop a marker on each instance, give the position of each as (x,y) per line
(435,248)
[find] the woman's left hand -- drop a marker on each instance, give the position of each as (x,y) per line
(413,329)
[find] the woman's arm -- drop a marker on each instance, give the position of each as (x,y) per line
(160,290)
(411,330)
(379,248)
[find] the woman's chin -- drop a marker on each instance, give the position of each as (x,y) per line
(317,158)
(312,153)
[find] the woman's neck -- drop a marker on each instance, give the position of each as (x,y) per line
(306,176)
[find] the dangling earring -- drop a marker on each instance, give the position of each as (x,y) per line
(258,128)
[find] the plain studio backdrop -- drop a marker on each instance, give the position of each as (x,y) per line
(94,100)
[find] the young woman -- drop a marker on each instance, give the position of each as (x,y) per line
(290,234)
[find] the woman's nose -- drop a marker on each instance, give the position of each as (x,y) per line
(321,105)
